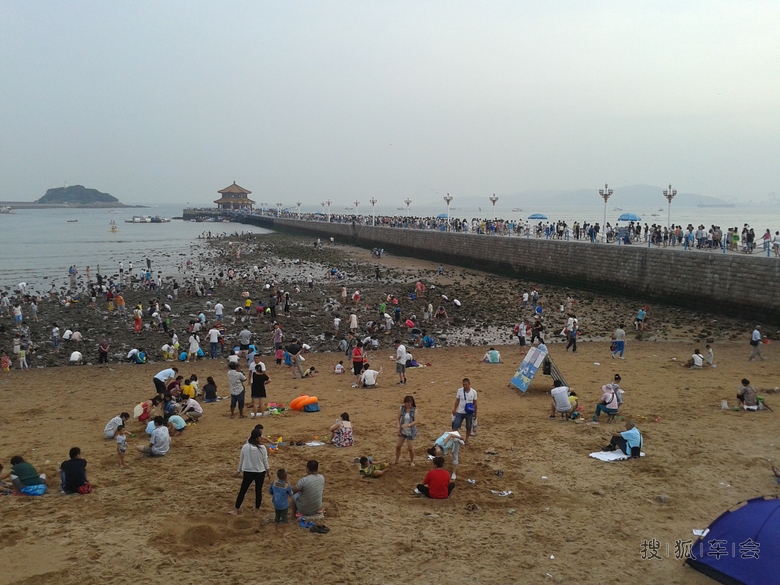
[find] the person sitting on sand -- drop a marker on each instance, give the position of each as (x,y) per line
(437,484)
(492,356)
(110,431)
(339,368)
(747,396)
(73,473)
(369,376)
(370,469)
(626,441)
(307,493)
(310,372)
(697,360)
(341,432)
(22,474)
(610,403)
(160,440)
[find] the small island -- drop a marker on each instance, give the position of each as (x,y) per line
(70,196)
(76,195)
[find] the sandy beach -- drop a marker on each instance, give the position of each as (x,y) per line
(569,519)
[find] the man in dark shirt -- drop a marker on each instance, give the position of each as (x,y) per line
(294,349)
(73,472)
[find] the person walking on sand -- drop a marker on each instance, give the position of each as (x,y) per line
(400,361)
(407,429)
(253,464)
(236,380)
(620,342)
(465,408)
(755,342)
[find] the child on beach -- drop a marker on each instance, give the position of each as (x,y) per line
(23,359)
(710,356)
(281,492)
(339,369)
(5,363)
(121,444)
(370,469)
(279,357)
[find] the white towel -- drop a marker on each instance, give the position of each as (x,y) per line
(611,455)
(315,444)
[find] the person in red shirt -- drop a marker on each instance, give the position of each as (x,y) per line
(358,356)
(437,484)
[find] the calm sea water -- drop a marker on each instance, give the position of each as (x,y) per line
(38,245)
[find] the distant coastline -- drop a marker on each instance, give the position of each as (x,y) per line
(33,205)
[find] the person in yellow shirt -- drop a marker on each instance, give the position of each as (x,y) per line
(187,389)
(248,304)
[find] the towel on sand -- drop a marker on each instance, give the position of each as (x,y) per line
(611,455)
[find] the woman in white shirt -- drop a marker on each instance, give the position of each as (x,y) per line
(253,464)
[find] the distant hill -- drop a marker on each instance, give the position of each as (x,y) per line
(76,195)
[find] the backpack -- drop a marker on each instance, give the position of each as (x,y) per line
(313,407)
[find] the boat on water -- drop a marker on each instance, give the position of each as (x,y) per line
(147,219)
(618,209)
(5,209)
(516,209)
(114,229)
(716,205)
(73,221)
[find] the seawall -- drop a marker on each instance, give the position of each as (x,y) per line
(722,283)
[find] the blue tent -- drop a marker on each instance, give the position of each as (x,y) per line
(629,217)
(742,546)
(537,216)
(442,216)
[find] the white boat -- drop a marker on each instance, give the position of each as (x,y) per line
(516,209)
(140,219)
(5,209)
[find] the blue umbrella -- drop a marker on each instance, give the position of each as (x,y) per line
(629,217)
(442,216)
(537,216)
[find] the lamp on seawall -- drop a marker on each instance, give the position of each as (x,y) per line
(448,199)
(357,208)
(328,203)
(669,194)
(605,193)
(372,201)
(323,207)
(278,210)
(408,203)
(299,209)
(493,200)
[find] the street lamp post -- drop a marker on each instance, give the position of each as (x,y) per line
(278,210)
(448,199)
(605,193)
(299,209)
(669,194)
(357,208)
(408,203)
(493,200)
(323,207)
(373,210)
(328,202)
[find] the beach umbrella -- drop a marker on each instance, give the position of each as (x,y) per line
(442,216)
(629,217)
(537,216)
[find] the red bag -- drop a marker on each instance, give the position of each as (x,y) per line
(86,488)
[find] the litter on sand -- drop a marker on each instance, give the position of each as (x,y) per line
(315,444)
(502,494)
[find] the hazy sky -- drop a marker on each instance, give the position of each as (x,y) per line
(172,101)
